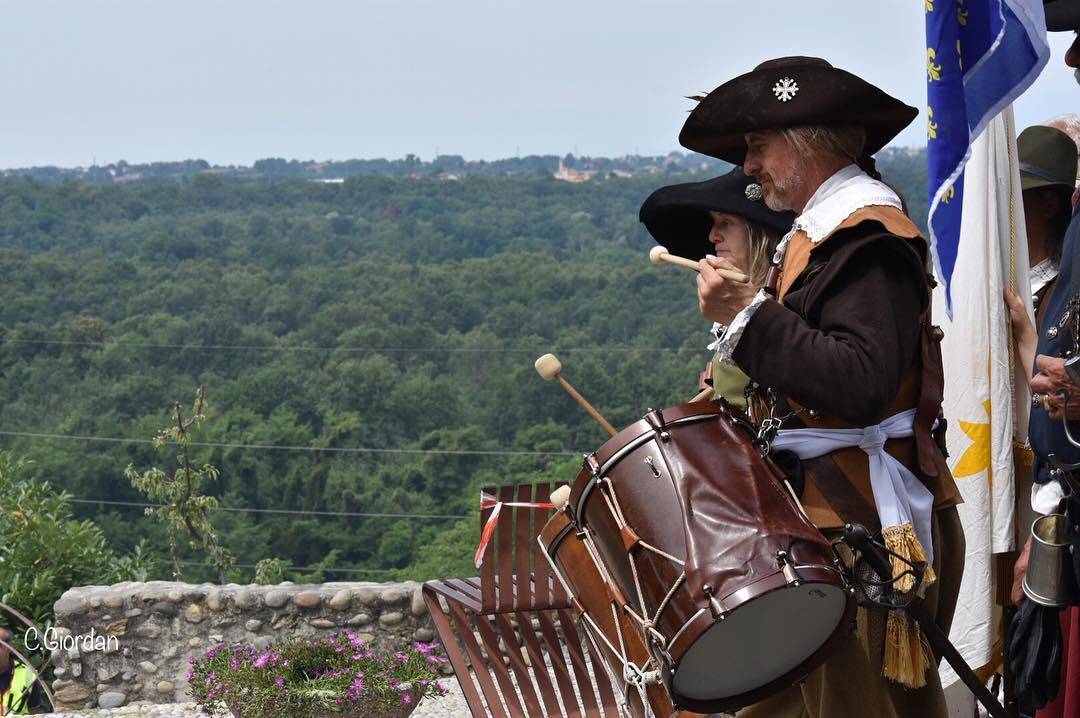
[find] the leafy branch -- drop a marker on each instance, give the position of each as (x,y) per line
(184,509)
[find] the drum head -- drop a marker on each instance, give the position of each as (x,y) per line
(758,643)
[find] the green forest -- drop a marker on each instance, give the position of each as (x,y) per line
(366,347)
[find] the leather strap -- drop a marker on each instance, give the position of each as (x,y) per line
(943,648)
(705,379)
(843,497)
(931,393)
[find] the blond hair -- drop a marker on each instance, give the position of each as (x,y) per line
(761,244)
(848,141)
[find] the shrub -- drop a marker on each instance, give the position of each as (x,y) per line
(315,678)
(44,551)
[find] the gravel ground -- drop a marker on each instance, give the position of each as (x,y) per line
(452,705)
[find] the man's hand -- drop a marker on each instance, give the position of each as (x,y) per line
(1019,571)
(721,299)
(1050,382)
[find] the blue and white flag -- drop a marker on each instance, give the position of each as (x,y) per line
(980,56)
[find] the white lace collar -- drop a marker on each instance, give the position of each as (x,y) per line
(848,190)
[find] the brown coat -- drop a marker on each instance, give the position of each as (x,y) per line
(847,339)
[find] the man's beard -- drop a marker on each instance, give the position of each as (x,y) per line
(778,197)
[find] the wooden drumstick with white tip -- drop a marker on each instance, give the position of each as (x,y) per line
(560,497)
(660,255)
(549,367)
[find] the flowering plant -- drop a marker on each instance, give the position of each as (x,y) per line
(336,676)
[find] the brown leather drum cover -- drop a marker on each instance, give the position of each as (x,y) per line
(715,504)
(585,582)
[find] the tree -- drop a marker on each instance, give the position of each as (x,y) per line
(186,512)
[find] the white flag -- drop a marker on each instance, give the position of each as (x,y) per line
(984,408)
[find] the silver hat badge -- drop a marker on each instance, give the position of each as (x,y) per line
(785,89)
(753,192)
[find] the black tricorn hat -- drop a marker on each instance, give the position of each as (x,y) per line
(789,92)
(1062,15)
(677,216)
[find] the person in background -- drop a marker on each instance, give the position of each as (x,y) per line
(20,694)
(1049,383)
(1047,178)
(722,217)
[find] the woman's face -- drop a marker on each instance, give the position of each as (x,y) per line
(730,238)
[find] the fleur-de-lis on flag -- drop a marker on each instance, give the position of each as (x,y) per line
(931,126)
(949,194)
(933,70)
(929,5)
(961,12)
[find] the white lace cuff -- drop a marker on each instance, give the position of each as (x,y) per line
(725,345)
(717,331)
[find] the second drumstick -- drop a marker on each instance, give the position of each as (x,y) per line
(660,255)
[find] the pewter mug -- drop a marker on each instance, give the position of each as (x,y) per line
(1050,579)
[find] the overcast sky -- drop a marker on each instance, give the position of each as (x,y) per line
(236,80)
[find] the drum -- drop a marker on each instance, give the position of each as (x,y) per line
(608,630)
(735,594)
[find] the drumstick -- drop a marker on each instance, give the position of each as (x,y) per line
(705,394)
(549,367)
(560,497)
(659,255)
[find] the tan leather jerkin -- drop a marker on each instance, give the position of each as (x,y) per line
(923,458)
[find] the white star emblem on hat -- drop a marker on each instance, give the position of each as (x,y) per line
(785,89)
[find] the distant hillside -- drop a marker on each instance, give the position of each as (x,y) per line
(446,167)
(390,324)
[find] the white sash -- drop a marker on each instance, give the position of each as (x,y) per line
(900,497)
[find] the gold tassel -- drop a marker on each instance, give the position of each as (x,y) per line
(907,655)
(902,541)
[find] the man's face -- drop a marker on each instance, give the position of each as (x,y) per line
(771,159)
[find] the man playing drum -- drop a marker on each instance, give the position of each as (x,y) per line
(843,342)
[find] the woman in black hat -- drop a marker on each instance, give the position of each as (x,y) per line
(722,217)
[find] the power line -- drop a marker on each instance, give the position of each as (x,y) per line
(298,568)
(387,350)
(284,447)
(289,512)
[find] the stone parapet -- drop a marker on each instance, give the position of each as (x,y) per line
(130,643)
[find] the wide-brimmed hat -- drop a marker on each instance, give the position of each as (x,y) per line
(1062,15)
(677,216)
(1047,157)
(790,92)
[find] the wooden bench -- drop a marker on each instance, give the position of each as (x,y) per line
(517,606)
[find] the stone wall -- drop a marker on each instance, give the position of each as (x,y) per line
(147,631)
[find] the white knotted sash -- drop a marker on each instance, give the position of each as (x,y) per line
(904,507)
(899,496)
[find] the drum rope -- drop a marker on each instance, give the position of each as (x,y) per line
(613,502)
(669,596)
(613,507)
(591,631)
(629,668)
(627,662)
(660,552)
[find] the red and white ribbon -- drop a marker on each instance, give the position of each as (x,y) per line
(487,501)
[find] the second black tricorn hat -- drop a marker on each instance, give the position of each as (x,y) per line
(677,216)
